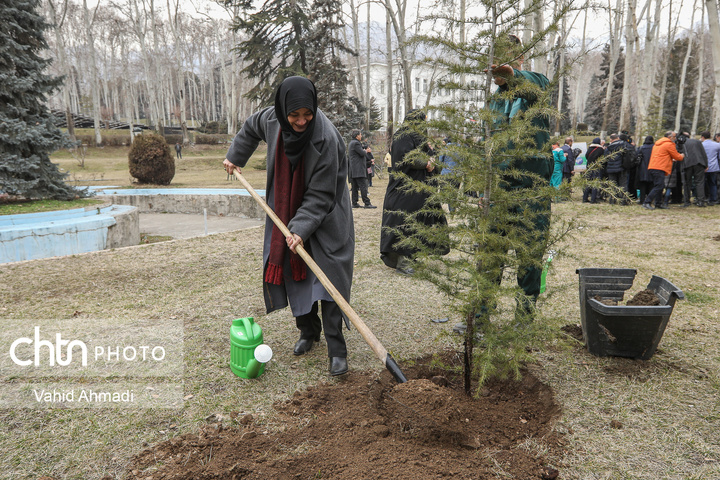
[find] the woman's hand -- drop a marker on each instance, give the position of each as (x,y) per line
(293,240)
(230,167)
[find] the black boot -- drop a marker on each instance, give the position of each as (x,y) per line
(338,366)
(304,344)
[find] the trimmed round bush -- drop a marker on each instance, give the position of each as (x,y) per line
(150,160)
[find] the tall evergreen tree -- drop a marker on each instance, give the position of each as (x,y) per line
(286,38)
(598,87)
(326,69)
(27,132)
(275,47)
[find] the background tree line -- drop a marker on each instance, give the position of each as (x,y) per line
(132,59)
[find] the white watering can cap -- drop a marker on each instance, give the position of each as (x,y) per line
(263,353)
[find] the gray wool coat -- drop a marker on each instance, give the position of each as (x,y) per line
(324,220)
(358,159)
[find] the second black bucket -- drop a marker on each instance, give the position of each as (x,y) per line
(620,330)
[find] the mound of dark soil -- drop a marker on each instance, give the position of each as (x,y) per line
(644,298)
(367,426)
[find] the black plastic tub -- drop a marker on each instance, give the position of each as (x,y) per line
(620,330)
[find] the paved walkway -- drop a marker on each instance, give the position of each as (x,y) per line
(182,225)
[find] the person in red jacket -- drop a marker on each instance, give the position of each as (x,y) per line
(664,152)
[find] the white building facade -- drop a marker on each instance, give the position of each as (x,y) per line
(427,91)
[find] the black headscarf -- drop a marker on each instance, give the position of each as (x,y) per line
(293,94)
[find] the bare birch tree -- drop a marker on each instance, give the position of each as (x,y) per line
(631,42)
(714,25)
(701,72)
(683,71)
(174,24)
(389,79)
(367,72)
(615,17)
(141,22)
(577,104)
(397,12)
(57,19)
(649,67)
(355,24)
(94,78)
(672,30)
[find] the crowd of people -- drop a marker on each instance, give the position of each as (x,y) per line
(653,173)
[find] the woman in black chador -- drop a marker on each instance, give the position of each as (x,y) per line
(399,201)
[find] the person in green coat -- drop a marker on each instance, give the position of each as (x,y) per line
(518,91)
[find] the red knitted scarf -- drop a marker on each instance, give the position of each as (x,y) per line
(289,187)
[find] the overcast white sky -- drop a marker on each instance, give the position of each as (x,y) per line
(597,27)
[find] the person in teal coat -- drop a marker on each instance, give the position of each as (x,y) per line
(559,156)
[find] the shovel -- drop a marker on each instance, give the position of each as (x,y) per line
(367,335)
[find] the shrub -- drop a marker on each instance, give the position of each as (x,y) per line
(582,127)
(150,160)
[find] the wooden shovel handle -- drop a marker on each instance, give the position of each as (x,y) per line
(354,318)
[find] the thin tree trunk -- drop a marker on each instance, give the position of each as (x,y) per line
(631,42)
(714,25)
(671,41)
(389,79)
(173,22)
(139,22)
(93,72)
(577,104)
(701,71)
(683,72)
(406,60)
(367,72)
(614,57)
(358,83)
(561,83)
(127,90)
(62,60)
(646,80)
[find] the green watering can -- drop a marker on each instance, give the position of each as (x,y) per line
(248,354)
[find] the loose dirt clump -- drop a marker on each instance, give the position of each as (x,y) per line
(644,298)
(368,426)
(574,330)
(611,302)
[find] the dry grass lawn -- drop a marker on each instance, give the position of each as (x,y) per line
(622,419)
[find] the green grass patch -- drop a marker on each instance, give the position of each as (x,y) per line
(36,206)
(699,298)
